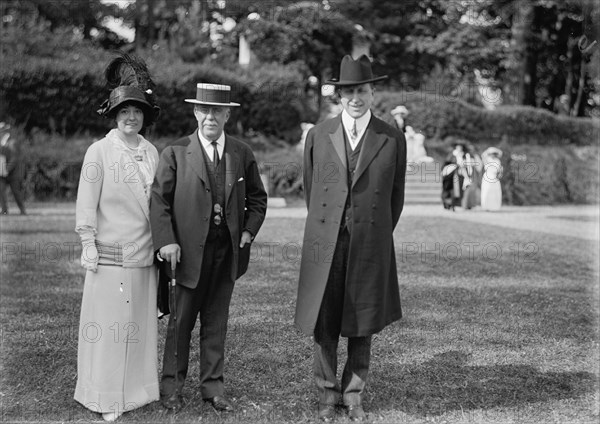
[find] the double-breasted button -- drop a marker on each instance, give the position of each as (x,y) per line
(374,206)
(325,188)
(323,220)
(376,191)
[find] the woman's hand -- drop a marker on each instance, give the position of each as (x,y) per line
(89,257)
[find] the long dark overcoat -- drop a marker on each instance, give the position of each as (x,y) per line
(181,203)
(372,298)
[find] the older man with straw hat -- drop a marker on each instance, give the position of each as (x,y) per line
(208,203)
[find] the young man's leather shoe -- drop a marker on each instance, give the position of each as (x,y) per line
(220,403)
(356,413)
(326,412)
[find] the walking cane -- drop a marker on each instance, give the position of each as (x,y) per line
(173,308)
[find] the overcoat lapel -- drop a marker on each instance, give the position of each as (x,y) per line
(337,140)
(232,160)
(372,143)
(195,158)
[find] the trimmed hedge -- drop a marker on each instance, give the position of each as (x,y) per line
(438,117)
(37,94)
(55,96)
(62,96)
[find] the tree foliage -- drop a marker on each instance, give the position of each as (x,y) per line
(534,50)
(302,32)
(537,52)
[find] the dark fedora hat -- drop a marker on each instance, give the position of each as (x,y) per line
(129,94)
(355,72)
(212,95)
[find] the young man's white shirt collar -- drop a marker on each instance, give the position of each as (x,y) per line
(361,126)
(208,147)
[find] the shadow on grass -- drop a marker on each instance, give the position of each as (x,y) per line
(446,383)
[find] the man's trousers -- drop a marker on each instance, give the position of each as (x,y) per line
(326,336)
(210,299)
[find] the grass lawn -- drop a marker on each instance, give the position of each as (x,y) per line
(500,326)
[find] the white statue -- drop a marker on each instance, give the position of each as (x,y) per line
(415,147)
(399,113)
(415,142)
(305,127)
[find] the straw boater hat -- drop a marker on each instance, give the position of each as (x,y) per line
(212,95)
(355,72)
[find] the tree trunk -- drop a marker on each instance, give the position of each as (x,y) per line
(571,43)
(137,26)
(577,109)
(523,52)
(151,31)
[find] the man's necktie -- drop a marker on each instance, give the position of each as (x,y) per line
(353,132)
(215,154)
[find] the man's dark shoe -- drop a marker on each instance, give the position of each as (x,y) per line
(220,403)
(173,402)
(326,412)
(356,413)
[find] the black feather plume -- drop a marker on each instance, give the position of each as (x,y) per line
(130,70)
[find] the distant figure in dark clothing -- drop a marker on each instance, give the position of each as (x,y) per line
(453,177)
(472,184)
(10,169)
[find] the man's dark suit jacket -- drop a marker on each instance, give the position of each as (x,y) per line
(181,203)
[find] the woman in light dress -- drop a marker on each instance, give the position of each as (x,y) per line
(117,349)
(491,190)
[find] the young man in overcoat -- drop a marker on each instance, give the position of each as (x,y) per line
(354,172)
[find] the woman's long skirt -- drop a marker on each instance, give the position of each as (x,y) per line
(117,351)
(491,195)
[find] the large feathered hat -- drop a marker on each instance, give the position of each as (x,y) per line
(129,80)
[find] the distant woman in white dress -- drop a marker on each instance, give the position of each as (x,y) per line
(491,190)
(117,349)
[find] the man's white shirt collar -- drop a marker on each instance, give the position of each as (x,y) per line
(361,126)
(208,147)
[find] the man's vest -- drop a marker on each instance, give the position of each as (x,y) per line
(216,177)
(351,163)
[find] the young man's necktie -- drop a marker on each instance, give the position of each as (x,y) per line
(353,132)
